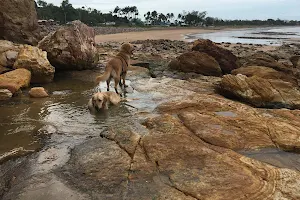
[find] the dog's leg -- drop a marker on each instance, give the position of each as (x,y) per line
(108,82)
(123,77)
(120,83)
(117,80)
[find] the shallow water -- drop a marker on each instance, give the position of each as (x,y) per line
(284,35)
(64,112)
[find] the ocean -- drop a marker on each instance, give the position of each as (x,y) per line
(267,35)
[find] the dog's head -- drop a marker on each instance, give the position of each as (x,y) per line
(127,48)
(99,101)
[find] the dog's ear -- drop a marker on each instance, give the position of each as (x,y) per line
(93,101)
(105,102)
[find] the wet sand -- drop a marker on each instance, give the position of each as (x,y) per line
(175,34)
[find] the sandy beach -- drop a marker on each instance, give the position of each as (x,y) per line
(171,34)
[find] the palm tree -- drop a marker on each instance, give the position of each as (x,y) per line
(117,10)
(148,16)
(66,6)
(154,16)
(162,18)
(172,16)
(179,16)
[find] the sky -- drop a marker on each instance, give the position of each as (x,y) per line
(225,9)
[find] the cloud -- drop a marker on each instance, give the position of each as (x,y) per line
(226,9)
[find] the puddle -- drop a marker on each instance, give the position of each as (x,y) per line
(275,157)
(226,114)
(65,113)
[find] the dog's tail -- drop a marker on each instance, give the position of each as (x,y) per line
(104,76)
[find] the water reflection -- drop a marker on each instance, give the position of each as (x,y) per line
(65,111)
(275,157)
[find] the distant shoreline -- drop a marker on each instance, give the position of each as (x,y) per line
(171,33)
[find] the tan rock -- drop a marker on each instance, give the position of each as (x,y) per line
(197,62)
(261,92)
(16,79)
(265,73)
(35,60)
(38,92)
(224,57)
(234,125)
(71,47)
(8,53)
(194,167)
(263,59)
(18,21)
(12,87)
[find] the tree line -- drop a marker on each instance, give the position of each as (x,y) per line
(130,15)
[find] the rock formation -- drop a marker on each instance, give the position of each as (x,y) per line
(260,92)
(197,62)
(38,92)
(71,47)
(35,60)
(14,80)
(18,21)
(224,57)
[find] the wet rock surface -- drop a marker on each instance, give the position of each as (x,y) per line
(38,92)
(174,138)
(5,94)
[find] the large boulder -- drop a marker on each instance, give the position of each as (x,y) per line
(35,60)
(266,73)
(260,92)
(263,59)
(18,21)
(8,53)
(196,62)
(71,47)
(233,125)
(224,57)
(14,80)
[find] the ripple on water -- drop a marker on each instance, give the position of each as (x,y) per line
(66,111)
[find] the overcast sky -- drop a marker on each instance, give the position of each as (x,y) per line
(226,9)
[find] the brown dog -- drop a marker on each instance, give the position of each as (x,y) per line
(101,100)
(117,67)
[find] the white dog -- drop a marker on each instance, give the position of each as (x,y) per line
(101,100)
